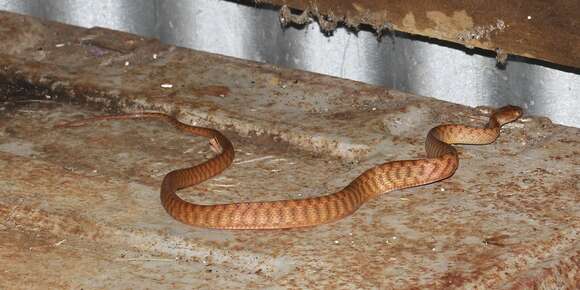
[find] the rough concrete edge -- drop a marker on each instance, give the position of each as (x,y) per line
(180,247)
(47,87)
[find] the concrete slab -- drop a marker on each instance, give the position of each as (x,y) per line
(79,207)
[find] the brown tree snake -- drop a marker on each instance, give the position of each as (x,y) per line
(441,162)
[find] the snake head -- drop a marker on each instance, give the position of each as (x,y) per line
(507,114)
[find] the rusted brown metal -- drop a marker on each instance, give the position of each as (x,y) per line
(545,30)
(84,202)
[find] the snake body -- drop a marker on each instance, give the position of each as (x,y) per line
(441,162)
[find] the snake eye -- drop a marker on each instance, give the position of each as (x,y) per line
(516,112)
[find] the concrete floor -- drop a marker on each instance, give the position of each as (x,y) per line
(79,207)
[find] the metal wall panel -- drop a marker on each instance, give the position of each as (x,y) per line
(400,62)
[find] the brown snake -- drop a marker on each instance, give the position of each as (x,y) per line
(441,162)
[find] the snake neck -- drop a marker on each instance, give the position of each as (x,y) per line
(438,142)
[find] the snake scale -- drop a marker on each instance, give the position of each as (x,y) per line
(441,162)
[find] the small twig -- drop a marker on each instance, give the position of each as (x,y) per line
(224,185)
(279,159)
(59,243)
(47,246)
(255,159)
(146,260)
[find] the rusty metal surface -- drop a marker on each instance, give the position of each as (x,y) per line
(546,30)
(84,201)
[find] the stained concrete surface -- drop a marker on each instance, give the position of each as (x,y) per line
(79,207)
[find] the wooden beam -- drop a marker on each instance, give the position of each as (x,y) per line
(539,29)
